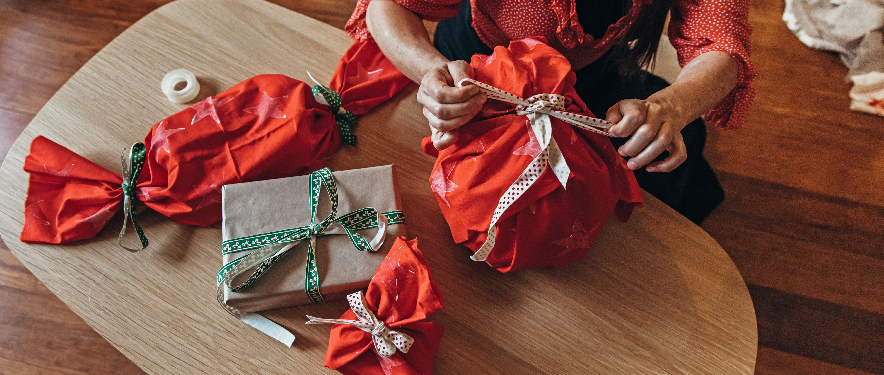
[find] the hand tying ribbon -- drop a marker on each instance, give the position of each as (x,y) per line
(271,247)
(345,119)
(385,341)
(132,166)
(538,109)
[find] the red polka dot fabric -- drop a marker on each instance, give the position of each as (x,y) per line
(696,27)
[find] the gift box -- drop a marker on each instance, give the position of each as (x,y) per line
(386,331)
(314,233)
(532,178)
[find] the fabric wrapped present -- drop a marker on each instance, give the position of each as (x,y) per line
(533,177)
(385,332)
(266,127)
(306,239)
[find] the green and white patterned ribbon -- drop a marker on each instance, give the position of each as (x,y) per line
(345,119)
(132,165)
(272,246)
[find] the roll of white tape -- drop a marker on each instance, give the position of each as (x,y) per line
(177,77)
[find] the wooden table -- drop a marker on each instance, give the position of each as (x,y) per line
(655,295)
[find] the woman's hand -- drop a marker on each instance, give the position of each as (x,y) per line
(653,125)
(447,106)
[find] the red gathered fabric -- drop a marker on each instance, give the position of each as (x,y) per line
(268,126)
(402,294)
(548,226)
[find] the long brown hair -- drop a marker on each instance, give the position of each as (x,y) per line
(639,47)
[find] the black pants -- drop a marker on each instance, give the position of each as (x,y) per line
(692,189)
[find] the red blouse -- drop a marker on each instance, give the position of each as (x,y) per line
(695,27)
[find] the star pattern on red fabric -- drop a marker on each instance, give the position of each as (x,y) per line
(161,140)
(144,193)
(98,219)
(63,173)
(267,108)
(442,183)
(208,108)
(34,212)
(574,136)
(486,60)
(579,238)
(363,75)
(532,148)
(211,194)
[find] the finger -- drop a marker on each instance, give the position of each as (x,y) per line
(443,140)
(614,116)
(633,113)
(678,153)
(447,124)
(468,108)
(660,143)
(459,70)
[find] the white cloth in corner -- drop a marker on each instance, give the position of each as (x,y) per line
(853,29)
(867,94)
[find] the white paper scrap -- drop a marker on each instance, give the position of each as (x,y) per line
(269,328)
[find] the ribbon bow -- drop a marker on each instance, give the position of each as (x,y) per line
(345,119)
(538,108)
(385,340)
(274,245)
(132,166)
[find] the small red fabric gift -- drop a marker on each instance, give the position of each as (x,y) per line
(386,332)
(268,126)
(532,178)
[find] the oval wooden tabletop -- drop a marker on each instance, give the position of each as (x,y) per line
(654,295)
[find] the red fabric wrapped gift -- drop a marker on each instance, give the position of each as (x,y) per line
(402,294)
(522,194)
(266,127)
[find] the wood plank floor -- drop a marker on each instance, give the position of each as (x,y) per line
(803,219)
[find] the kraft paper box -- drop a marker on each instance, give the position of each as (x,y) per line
(259,207)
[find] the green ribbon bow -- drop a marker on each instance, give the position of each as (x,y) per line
(132,166)
(273,246)
(346,120)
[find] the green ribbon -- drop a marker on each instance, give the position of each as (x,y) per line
(132,166)
(272,246)
(346,120)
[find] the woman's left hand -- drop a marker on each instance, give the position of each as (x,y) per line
(653,125)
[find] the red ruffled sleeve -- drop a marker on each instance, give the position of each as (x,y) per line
(700,26)
(430,10)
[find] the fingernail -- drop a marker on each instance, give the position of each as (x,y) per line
(631,164)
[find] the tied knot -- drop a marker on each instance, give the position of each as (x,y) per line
(542,103)
(380,330)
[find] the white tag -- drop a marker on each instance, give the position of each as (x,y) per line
(269,328)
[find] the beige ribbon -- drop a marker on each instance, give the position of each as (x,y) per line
(385,340)
(538,109)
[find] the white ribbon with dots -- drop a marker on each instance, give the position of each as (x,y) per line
(538,109)
(385,341)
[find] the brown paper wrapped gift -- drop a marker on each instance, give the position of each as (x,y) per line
(255,208)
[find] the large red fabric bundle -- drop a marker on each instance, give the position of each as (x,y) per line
(487,181)
(266,127)
(402,294)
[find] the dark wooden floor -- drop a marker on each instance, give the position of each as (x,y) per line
(803,219)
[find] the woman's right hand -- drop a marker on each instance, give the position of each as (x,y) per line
(447,106)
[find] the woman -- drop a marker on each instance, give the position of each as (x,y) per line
(606,42)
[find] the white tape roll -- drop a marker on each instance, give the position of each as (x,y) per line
(176,77)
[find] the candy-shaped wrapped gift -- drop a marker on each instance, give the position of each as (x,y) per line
(266,127)
(533,178)
(386,331)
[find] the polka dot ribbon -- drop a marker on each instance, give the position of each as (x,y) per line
(345,119)
(385,340)
(538,109)
(272,246)
(132,163)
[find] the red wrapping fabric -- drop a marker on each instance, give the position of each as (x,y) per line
(402,294)
(548,226)
(266,127)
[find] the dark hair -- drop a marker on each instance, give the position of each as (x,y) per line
(639,47)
